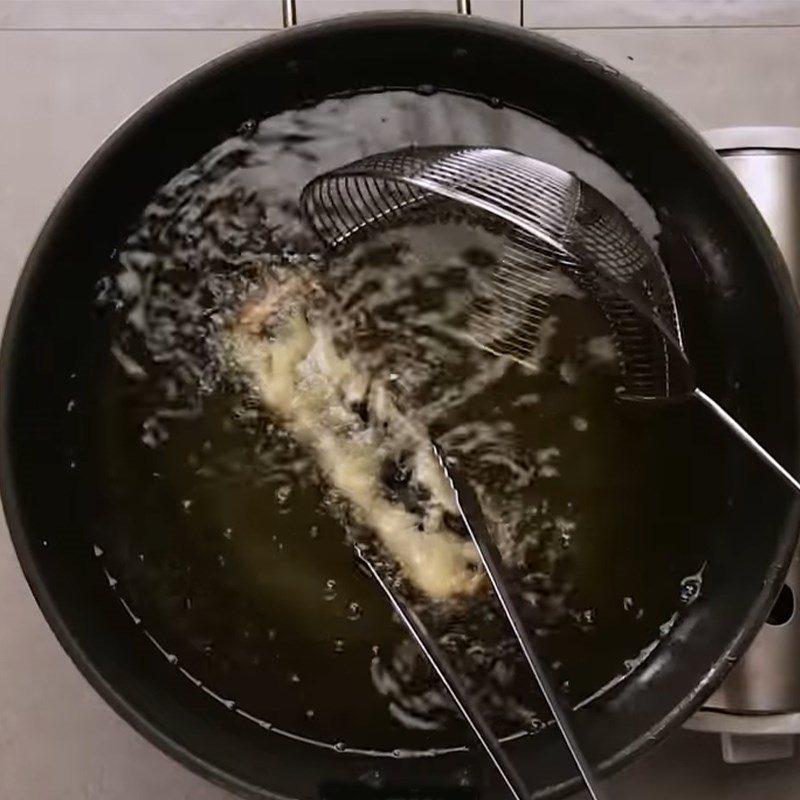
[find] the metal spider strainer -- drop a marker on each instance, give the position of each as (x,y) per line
(555,228)
(558,234)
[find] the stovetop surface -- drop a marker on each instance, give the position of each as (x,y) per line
(71,72)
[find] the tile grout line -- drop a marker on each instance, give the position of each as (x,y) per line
(709,27)
(17,29)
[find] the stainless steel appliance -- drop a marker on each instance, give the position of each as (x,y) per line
(757,708)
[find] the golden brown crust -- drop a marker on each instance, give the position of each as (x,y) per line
(349,419)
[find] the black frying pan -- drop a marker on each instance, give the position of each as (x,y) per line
(741,327)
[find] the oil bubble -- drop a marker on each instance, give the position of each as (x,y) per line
(690,589)
(247,128)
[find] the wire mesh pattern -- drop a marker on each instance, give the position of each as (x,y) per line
(633,290)
(559,235)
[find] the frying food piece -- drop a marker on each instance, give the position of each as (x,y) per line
(373,455)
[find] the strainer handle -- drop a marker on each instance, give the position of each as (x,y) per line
(751,443)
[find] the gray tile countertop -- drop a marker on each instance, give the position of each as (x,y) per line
(72,70)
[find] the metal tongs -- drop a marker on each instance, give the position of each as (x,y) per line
(472,516)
